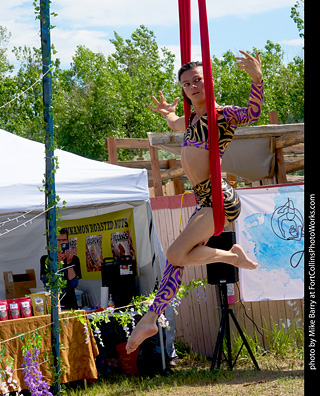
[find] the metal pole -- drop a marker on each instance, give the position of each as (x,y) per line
(50,179)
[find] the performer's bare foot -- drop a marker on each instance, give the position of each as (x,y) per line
(242,260)
(146,328)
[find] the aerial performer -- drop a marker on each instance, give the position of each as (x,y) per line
(190,246)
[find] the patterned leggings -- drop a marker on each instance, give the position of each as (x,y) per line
(172,276)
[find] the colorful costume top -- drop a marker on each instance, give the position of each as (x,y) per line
(228,118)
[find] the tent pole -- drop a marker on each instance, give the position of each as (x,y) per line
(154,262)
(50,180)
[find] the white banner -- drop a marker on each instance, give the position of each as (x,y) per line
(270,229)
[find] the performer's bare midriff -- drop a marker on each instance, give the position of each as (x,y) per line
(189,248)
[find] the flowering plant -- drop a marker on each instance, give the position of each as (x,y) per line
(33,376)
(7,383)
(139,306)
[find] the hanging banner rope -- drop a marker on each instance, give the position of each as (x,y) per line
(213,136)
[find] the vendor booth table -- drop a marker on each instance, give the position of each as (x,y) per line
(78,353)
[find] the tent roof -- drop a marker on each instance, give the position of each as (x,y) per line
(79,180)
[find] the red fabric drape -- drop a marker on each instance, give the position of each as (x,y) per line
(215,168)
(185,44)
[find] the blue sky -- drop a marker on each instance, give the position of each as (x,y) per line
(233,25)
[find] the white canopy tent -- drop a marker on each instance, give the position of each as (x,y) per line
(89,187)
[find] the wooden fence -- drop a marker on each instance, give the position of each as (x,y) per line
(197,324)
(286,141)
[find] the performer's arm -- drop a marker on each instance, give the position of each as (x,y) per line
(174,122)
(168,110)
(246,115)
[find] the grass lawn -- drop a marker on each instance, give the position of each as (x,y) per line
(279,375)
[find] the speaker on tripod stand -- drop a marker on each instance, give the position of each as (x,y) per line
(221,274)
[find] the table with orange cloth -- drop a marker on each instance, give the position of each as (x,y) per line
(78,352)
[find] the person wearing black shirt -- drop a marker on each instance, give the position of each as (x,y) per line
(71,273)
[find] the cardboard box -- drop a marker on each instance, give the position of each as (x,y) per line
(18,285)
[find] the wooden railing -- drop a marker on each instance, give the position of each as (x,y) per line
(287,141)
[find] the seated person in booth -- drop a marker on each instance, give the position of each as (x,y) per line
(71,273)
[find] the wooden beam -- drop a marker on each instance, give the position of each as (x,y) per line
(281,174)
(157,182)
(145,164)
(268,130)
(171,173)
(295,149)
(178,184)
(287,141)
(232,180)
(133,144)
(165,138)
(293,158)
(112,150)
(176,138)
(295,166)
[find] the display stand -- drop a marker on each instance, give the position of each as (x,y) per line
(224,329)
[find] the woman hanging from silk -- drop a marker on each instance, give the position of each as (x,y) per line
(189,248)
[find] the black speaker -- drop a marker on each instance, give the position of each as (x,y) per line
(222,272)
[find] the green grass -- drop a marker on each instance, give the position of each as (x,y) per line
(281,373)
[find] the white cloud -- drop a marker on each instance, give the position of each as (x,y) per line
(117,13)
(66,41)
(295,42)
(152,12)
(243,8)
(91,22)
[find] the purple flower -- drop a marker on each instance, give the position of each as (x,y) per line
(33,376)
(97,334)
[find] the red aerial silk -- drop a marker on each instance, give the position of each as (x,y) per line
(185,44)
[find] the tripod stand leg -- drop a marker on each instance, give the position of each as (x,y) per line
(219,344)
(228,337)
(244,340)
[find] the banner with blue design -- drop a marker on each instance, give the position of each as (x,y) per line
(270,229)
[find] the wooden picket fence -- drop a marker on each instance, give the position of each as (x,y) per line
(197,324)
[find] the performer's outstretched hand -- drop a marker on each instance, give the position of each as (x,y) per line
(251,65)
(163,107)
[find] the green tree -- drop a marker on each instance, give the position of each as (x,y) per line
(284,84)
(7,83)
(4,62)
(79,105)
(98,97)
(101,97)
(23,89)
(295,15)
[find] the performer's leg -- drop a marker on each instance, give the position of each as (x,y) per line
(169,286)
(170,283)
(187,249)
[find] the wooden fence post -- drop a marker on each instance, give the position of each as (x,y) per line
(280,165)
(156,175)
(178,184)
(112,150)
(232,180)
